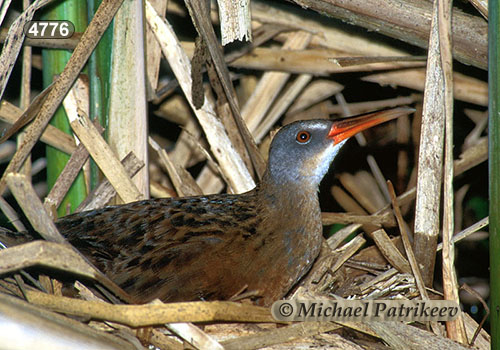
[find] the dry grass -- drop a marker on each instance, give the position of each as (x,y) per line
(300,65)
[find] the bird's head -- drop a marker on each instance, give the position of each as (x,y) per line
(301,152)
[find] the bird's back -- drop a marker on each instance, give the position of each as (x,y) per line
(175,249)
(196,248)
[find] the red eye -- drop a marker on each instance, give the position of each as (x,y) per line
(303,136)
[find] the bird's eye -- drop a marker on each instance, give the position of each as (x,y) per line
(303,136)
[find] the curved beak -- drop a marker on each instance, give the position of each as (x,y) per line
(344,128)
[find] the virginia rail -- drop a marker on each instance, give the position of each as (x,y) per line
(215,246)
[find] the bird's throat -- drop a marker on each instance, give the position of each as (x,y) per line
(293,219)
(288,198)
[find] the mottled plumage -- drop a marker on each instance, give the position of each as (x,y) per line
(214,247)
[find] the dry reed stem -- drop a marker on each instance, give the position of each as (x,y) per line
(229,160)
(65,179)
(194,336)
(390,252)
(360,138)
(407,244)
(48,254)
(465,88)
(280,335)
(401,336)
(316,61)
(364,189)
(153,52)
(481,6)
(324,34)
(467,231)
(481,120)
(233,131)
(104,157)
(315,92)
(320,62)
(78,98)
(12,215)
(185,151)
(14,42)
(54,331)
(349,218)
(336,240)
(280,106)
(409,252)
(381,277)
(325,108)
(430,158)
(209,180)
(269,86)
(104,192)
(51,136)
(409,21)
(3,10)
(182,180)
(234,19)
(127,128)
(25,93)
(154,314)
(455,329)
(63,83)
(32,207)
(221,80)
(28,115)
(42,223)
(347,251)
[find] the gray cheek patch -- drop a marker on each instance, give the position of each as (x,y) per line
(324,159)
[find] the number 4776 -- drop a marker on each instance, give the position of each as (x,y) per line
(50,29)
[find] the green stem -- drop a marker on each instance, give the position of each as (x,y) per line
(494,170)
(53,63)
(99,77)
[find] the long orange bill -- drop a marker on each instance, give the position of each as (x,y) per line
(347,127)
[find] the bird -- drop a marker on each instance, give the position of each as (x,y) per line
(215,247)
